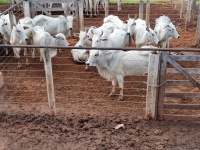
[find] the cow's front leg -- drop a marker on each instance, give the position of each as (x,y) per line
(120,80)
(113,87)
(25,54)
(16,53)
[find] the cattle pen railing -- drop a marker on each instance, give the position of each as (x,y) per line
(172,86)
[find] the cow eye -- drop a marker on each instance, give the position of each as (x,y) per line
(96,55)
(18,30)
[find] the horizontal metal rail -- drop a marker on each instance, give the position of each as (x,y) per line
(102,48)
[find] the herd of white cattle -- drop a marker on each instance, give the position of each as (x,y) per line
(112,65)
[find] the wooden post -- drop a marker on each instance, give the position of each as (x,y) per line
(1,80)
(11,17)
(49,81)
(192,12)
(172,2)
(152,87)
(162,80)
(81,19)
(106,8)
(182,8)
(147,12)
(188,15)
(198,28)
(12,2)
(141,5)
(27,12)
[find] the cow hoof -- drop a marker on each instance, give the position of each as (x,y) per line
(120,98)
(111,94)
(86,68)
(19,67)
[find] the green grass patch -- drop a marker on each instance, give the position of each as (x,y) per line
(4,1)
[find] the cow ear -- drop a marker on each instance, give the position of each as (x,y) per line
(147,29)
(166,26)
(104,39)
(87,52)
(25,27)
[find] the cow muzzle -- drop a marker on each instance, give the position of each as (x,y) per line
(70,28)
(87,63)
(128,33)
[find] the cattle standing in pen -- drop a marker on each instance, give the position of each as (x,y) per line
(6,28)
(43,38)
(141,34)
(18,37)
(165,30)
(28,24)
(55,25)
(115,65)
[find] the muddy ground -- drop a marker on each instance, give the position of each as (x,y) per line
(86,115)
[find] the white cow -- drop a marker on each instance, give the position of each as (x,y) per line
(18,37)
(55,25)
(43,38)
(81,55)
(6,29)
(93,7)
(115,39)
(70,8)
(107,28)
(141,34)
(115,65)
(116,20)
(165,30)
(28,24)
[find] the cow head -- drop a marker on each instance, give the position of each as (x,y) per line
(131,25)
(171,31)
(61,40)
(151,36)
(70,22)
(19,34)
(83,39)
(91,32)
